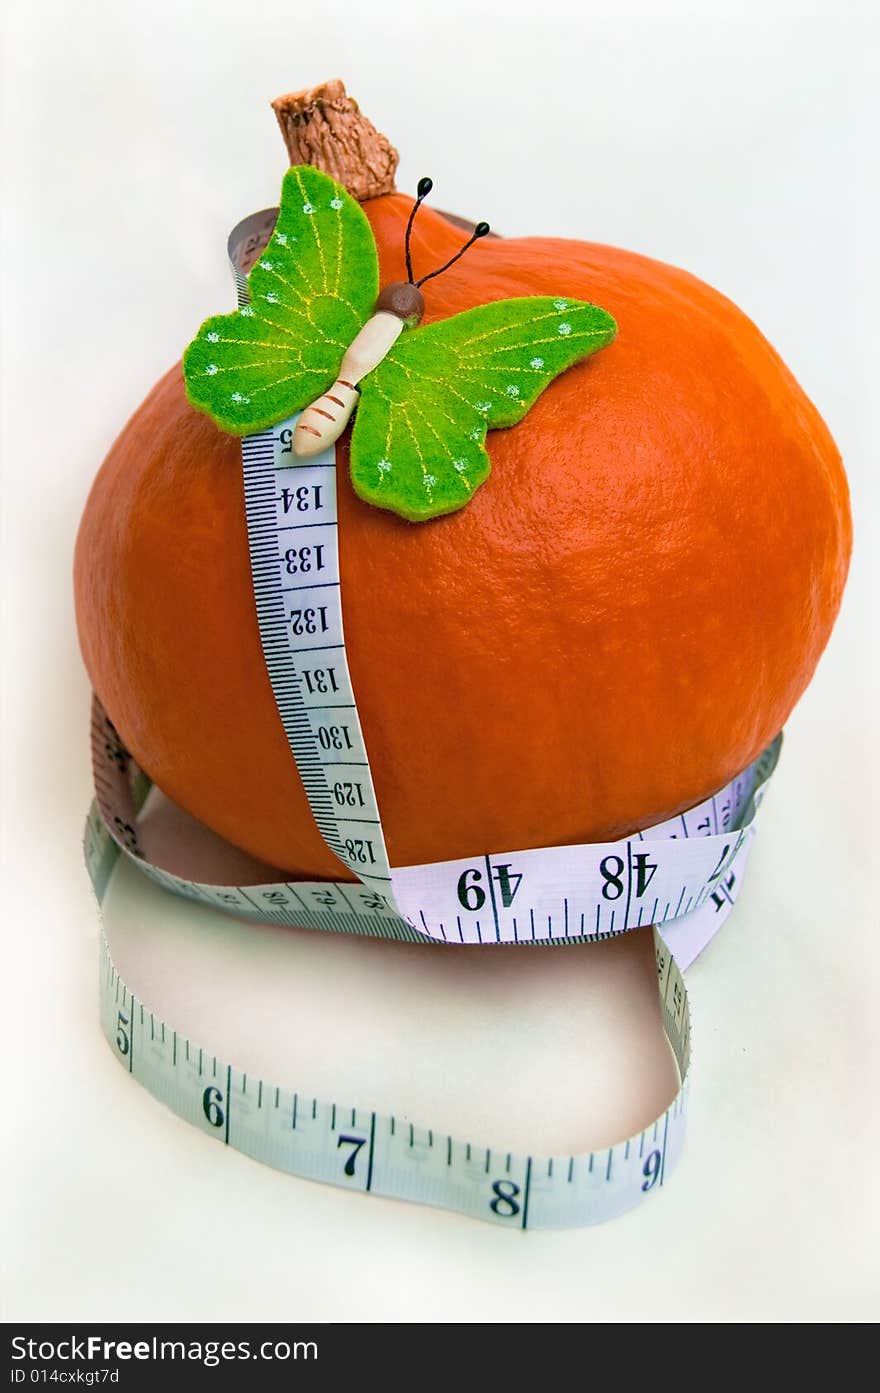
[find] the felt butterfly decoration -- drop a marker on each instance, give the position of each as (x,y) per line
(318,338)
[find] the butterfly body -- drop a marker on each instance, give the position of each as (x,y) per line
(317,338)
(325,419)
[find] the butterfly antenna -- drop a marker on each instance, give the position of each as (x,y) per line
(424,188)
(481,230)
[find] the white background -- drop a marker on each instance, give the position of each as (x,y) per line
(732,139)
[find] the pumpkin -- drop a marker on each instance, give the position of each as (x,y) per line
(617,623)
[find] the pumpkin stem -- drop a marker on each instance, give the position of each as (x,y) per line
(324,127)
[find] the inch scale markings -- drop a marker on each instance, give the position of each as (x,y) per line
(360,1149)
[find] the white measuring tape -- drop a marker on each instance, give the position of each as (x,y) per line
(684,873)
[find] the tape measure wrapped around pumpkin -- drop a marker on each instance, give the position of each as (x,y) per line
(578,624)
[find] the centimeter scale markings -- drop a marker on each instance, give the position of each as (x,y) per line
(292,531)
(293,539)
(684,873)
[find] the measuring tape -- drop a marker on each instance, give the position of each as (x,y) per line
(681,876)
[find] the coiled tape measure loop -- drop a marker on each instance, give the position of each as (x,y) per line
(681,876)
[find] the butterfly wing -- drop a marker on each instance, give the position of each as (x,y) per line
(312,289)
(418,445)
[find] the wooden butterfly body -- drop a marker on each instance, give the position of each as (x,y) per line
(313,339)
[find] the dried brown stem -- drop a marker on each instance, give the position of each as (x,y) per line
(324,127)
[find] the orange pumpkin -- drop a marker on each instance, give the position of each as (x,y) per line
(616,624)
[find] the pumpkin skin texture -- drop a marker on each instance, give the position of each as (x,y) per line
(617,623)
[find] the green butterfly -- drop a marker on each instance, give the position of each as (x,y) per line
(315,339)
